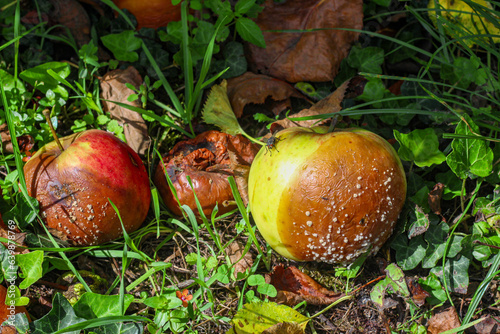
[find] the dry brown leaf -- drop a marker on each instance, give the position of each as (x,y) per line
(241,262)
(330,104)
(294,287)
(72,15)
(312,56)
(25,142)
(417,293)
(443,321)
(259,89)
(489,325)
(285,328)
(434,198)
(114,89)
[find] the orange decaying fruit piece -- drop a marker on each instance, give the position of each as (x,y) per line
(152,13)
(4,309)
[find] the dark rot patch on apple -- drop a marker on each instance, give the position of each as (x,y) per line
(364,188)
(207,160)
(74,187)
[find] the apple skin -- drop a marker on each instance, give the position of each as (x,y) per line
(327,197)
(73,187)
(151,13)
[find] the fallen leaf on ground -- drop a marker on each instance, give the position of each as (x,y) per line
(294,287)
(113,88)
(312,56)
(434,198)
(259,89)
(330,104)
(443,321)
(417,293)
(489,325)
(241,262)
(72,15)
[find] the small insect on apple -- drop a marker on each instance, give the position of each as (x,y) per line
(271,143)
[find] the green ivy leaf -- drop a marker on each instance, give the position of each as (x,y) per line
(455,273)
(420,223)
(470,157)
(420,147)
(374,90)
(250,31)
(59,317)
(394,282)
(123,45)
(436,237)
(367,59)
(409,254)
(31,266)
(93,305)
(433,286)
(257,317)
(234,58)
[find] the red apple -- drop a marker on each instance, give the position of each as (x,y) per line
(73,187)
(330,197)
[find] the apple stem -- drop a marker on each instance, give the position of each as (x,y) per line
(46,113)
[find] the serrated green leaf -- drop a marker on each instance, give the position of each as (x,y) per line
(470,157)
(250,31)
(243,6)
(409,254)
(59,317)
(218,110)
(420,147)
(123,45)
(257,317)
(31,266)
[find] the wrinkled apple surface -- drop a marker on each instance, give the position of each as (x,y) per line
(74,187)
(328,197)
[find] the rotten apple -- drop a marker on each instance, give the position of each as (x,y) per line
(75,187)
(326,196)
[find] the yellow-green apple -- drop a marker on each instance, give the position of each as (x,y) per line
(75,187)
(326,196)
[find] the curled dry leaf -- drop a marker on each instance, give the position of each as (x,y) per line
(309,55)
(114,89)
(259,89)
(330,104)
(206,161)
(489,325)
(443,321)
(241,262)
(294,287)
(434,198)
(417,293)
